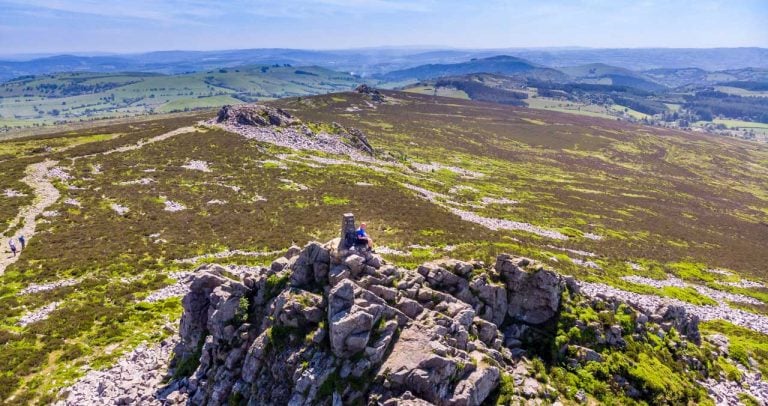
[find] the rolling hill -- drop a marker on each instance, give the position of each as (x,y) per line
(503,65)
(372,61)
(598,73)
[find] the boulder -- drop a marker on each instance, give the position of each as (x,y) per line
(533,296)
(350,324)
(313,261)
(355,264)
(685,323)
(584,354)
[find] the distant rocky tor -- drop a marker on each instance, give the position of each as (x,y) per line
(375,95)
(325,325)
(279,127)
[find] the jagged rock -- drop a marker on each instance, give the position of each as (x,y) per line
(614,337)
(534,296)
(292,251)
(297,308)
(348,328)
(684,322)
(279,264)
(350,324)
(196,304)
(584,354)
(440,277)
(311,265)
(256,115)
(358,140)
(355,264)
(493,298)
(476,388)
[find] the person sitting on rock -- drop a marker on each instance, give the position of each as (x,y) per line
(363,238)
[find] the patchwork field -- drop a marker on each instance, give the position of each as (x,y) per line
(140,202)
(34,101)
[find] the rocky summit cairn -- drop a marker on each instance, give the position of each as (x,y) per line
(326,325)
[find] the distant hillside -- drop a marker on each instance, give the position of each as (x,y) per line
(711,59)
(47,99)
(700,77)
(373,61)
(599,73)
(504,65)
(480,87)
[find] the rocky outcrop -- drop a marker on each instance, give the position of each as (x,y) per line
(277,126)
(374,94)
(329,325)
(256,115)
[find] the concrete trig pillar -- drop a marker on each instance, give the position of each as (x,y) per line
(347,225)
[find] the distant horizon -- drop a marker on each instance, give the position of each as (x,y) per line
(40,55)
(140,26)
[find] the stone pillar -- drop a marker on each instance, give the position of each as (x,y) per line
(347,225)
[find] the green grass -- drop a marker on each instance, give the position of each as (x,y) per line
(740,124)
(440,91)
(744,343)
(687,294)
(197,103)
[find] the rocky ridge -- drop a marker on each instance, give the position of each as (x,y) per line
(279,127)
(326,325)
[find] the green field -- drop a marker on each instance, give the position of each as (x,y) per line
(73,97)
(583,109)
(740,92)
(740,124)
(440,91)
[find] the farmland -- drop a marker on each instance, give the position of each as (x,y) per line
(72,97)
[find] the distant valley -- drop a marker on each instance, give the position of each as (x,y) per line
(684,89)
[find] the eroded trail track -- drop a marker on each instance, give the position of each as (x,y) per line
(39,178)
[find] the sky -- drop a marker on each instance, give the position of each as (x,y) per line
(126,26)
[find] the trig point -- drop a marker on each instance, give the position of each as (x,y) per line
(347,225)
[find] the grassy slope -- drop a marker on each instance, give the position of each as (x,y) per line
(668,200)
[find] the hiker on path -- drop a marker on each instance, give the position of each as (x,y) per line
(23,242)
(362,236)
(13,247)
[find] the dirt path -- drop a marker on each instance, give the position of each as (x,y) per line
(38,178)
(140,144)
(46,194)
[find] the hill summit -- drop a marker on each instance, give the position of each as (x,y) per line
(334,324)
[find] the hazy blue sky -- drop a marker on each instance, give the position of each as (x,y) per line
(140,25)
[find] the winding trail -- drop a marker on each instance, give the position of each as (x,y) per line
(140,144)
(38,177)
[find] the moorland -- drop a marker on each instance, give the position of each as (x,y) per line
(604,200)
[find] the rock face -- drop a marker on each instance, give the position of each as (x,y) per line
(328,325)
(256,115)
